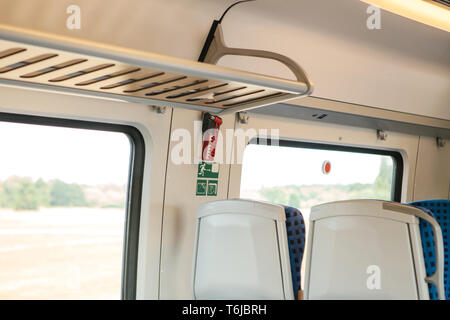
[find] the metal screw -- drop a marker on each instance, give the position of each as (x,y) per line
(159,110)
(440,142)
(381,135)
(243,117)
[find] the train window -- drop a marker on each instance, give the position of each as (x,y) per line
(306,174)
(65,198)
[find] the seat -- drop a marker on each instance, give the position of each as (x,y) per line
(369,249)
(439,210)
(295,226)
(242,251)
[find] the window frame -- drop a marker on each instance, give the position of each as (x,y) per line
(397,159)
(134,186)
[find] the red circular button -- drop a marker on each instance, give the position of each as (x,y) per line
(326,167)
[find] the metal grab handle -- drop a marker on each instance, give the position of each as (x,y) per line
(216,49)
(437,278)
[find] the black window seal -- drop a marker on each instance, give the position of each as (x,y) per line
(134,189)
(397,159)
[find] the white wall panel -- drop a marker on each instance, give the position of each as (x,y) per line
(432,178)
(180,211)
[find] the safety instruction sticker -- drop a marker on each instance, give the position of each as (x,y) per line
(207,179)
(202,186)
(212,187)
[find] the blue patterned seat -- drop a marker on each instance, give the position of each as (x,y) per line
(295,226)
(440,210)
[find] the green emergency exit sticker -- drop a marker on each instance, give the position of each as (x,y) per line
(208,170)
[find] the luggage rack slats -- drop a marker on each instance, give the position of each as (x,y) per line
(67,65)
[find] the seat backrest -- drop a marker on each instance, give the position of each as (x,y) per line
(440,210)
(295,226)
(367,249)
(241,251)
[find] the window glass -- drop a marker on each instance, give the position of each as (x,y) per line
(304,177)
(63,198)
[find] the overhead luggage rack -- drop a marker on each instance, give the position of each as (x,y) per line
(44,61)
